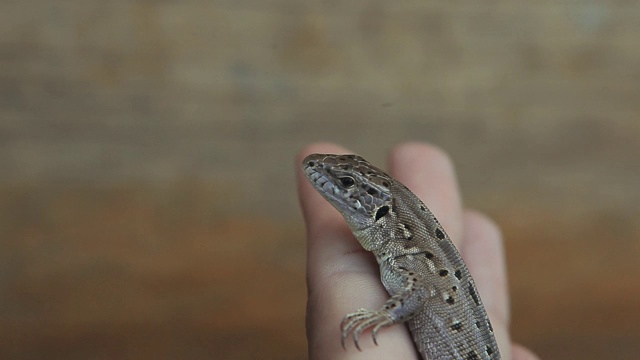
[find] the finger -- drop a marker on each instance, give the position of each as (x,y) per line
(315,209)
(328,236)
(341,277)
(428,172)
(483,252)
(321,219)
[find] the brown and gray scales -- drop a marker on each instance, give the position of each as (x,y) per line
(430,286)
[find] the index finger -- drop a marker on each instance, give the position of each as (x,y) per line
(341,277)
(322,220)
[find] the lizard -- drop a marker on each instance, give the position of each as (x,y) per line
(430,287)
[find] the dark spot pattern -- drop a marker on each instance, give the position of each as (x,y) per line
(382,211)
(439,234)
(472,355)
(443,272)
(456,327)
(478,324)
(421,206)
(385,184)
(454,288)
(458,274)
(473,294)
(450,300)
(428,255)
(489,325)
(489,350)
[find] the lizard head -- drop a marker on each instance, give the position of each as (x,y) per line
(357,189)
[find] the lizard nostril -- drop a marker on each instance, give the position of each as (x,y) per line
(311,163)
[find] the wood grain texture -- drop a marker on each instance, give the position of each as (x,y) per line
(131,192)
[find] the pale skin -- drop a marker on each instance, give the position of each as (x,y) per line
(343,277)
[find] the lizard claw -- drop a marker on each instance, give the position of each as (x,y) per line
(375,332)
(361,320)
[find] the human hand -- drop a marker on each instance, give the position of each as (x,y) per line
(342,277)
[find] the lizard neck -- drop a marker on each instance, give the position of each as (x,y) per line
(367,241)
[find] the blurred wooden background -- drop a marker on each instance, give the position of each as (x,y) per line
(147,203)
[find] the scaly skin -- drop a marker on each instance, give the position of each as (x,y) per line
(430,286)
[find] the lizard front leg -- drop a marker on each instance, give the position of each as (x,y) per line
(402,306)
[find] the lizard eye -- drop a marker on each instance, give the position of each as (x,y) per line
(347,181)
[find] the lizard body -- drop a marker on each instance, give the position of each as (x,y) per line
(430,286)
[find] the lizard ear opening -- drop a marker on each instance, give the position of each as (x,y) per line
(382,211)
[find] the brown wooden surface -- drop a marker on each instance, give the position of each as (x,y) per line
(147,208)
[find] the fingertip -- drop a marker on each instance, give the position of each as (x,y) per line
(416,151)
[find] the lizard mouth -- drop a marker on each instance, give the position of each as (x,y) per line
(321,181)
(329,190)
